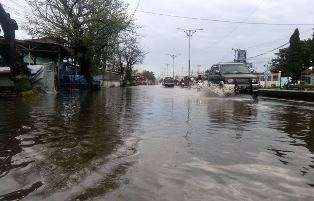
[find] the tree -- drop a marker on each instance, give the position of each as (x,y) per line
(312,51)
(306,52)
(130,52)
(279,63)
(294,63)
(90,27)
(292,60)
(149,75)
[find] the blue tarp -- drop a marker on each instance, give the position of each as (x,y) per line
(77,79)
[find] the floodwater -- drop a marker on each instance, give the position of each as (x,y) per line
(155,143)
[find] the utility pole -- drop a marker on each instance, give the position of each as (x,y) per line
(173,56)
(266,75)
(189,33)
(198,69)
(167,69)
(235,54)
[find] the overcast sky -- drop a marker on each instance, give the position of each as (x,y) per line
(213,44)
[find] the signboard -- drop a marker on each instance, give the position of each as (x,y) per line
(266,75)
(241,55)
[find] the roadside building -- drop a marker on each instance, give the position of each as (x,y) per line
(273,79)
(53,65)
(307,76)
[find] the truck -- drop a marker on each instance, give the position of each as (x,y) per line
(168,82)
(235,75)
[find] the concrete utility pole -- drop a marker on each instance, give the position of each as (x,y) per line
(167,69)
(189,33)
(173,56)
(266,75)
(235,54)
(198,69)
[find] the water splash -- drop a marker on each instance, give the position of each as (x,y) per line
(214,90)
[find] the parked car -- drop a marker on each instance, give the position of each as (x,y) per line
(234,74)
(168,82)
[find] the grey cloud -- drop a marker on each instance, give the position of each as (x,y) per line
(212,45)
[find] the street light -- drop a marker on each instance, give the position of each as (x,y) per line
(189,33)
(173,56)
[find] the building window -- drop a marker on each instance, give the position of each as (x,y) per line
(275,77)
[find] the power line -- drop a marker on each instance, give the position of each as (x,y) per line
(189,33)
(261,59)
(136,8)
(262,54)
(278,39)
(266,43)
(225,21)
(238,25)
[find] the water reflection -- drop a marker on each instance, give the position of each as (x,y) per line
(9,143)
(235,114)
(55,143)
(298,125)
(152,143)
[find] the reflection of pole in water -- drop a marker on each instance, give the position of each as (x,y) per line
(172,103)
(188,111)
(188,133)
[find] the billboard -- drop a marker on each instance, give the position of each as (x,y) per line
(241,56)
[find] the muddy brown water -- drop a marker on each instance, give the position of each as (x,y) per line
(155,143)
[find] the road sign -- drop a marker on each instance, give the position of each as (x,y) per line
(266,75)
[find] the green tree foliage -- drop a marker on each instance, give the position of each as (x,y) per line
(297,57)
(312,50)
(294,62)
(149,75)
(90,27)
(279,62)
(306,53)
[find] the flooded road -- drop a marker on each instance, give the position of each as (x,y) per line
(154,143)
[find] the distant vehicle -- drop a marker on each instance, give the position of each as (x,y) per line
(168,82)
(237,75)
(185,82)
